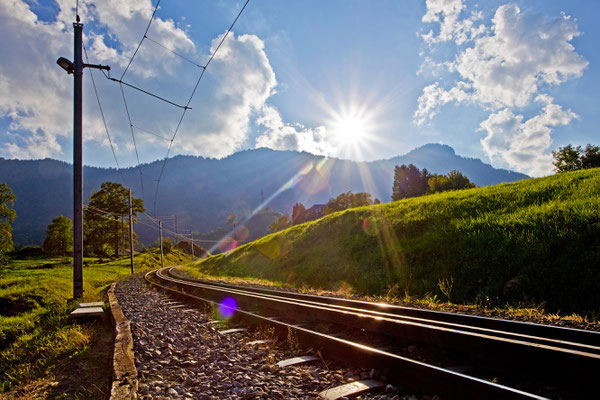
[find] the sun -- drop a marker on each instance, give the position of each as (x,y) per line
(350,129)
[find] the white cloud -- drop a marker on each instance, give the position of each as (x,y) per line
(241,81)
(39,145)
(434,96)
(281,136)
(451,27)
(504,68)
(36,95)
(524,52)
(524,145)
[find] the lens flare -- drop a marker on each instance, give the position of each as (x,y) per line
(370,227)
(227,307)
(227,243)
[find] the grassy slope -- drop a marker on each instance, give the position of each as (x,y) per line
(34,331)
(536,240)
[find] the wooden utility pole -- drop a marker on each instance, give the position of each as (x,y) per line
(131,230)
(162,264)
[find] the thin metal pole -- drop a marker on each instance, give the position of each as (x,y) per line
(192,236)
(162,264)
(77,165)
(130,231)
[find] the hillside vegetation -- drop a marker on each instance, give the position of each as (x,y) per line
(535,241)
(203,192)
(34,292)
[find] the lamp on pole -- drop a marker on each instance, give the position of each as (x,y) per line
(76,68)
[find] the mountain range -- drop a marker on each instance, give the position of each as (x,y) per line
(203,192)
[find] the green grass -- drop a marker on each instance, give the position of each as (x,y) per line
(34,294)
(535,241)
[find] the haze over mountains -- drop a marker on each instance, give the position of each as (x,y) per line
(203,192)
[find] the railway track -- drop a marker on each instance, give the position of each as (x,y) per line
(558,356)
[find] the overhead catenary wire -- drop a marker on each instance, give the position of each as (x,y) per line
(151,133)
(108,214)
(102,114)
(185,108)
(134,143)
(191,97)
(121,82)
(174,52)
(141,41)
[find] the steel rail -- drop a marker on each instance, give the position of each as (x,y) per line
(413,375)
(431,320)
(556,333)
(492,352)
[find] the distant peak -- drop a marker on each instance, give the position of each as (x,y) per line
(435,147)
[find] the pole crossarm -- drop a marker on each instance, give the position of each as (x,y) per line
(97,66)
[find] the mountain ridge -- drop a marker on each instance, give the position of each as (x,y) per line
(202,191)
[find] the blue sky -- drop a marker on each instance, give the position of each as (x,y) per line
(507,82)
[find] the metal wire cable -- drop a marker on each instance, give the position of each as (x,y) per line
(134,144)
(174,52)
(102,114)
(141,41)
(151,133)
(190,100)
(119,81)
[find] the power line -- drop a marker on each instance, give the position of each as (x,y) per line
(151,133)
(134,144)
(185,108)
(174,52)
(102,114)
(190,100)
(141,41)
(148,93)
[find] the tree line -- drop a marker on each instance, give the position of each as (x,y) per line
(410,181)
(105,229)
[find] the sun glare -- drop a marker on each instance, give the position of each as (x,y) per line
(350,129)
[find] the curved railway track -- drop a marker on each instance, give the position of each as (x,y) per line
(565,357)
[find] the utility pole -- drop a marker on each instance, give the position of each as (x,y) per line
(192,236)
(78,164)
(130,231)
(176,232)
(76,68)
(162,264)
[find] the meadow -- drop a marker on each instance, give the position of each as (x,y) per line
(532,242)
(35,332)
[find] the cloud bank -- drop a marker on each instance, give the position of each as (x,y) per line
(504,68)
(231,99)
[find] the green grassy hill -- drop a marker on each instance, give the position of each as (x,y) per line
(535,241)
(34,293)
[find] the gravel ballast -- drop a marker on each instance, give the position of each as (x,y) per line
(180,354)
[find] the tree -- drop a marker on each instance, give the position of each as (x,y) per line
(347,200)
(167,245)
(409,181)
(105,227)
(298,214)
(590,157)
(280,223)
(454,180)
(567,158)
(571,158)
(7,216)
(59,236)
